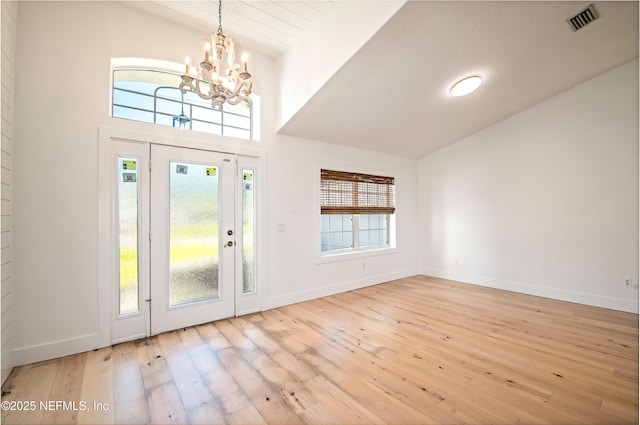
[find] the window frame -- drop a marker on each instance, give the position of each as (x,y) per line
(355,232)
(155,65)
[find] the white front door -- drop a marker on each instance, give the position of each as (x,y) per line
(193,237)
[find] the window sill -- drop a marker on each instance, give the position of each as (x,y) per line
(354,255)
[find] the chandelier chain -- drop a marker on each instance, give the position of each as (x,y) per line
(220,16)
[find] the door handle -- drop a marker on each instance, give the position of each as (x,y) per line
(230,243)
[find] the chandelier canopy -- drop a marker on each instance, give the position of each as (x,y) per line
(211,80)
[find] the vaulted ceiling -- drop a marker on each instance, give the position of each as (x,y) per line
(392,95)
(270,27)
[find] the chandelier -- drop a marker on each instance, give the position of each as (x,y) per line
(212,80)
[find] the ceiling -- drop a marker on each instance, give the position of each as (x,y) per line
(392,95)
(267,26)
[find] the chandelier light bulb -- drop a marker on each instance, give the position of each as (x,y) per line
(466,85)
(207,49)
(187,65)
(245,58)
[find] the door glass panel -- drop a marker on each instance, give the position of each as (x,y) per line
(128,234)
(193,233)
(248,231)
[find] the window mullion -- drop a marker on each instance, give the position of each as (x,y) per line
(387,219)
(355,223)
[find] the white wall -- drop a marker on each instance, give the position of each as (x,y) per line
(63,57)
(9,20)
(295,272)
(544,202)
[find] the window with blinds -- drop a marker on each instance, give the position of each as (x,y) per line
(356,211)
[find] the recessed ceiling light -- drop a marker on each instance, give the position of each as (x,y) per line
(466,85)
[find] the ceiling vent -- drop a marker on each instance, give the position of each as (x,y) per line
(583,18)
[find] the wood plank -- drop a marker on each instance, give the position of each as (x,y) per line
(206,414)
(63,403)
(282,357)
(339,403)
(234,336)
(228,395)
(186,377)
(265,396)
(30,383)
(162,396)
(97,388)
(130,403)
(248,415)
(213,337)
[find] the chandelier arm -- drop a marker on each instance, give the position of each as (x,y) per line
(241,92)
(203,75)
(237,99)
(233,100)
(183,87)
(186,85)
(249,86)
(196,89)
(236,89)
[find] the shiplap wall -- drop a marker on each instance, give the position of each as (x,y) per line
(9,14)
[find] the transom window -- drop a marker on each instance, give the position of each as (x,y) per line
(152,96)
(357,211)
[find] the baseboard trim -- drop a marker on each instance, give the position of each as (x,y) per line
(301,296)
(585,298)
(56,349)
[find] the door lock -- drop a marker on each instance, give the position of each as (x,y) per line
(229,232)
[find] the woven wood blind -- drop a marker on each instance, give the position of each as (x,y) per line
(352,193)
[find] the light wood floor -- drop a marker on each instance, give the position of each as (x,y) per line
(417,350)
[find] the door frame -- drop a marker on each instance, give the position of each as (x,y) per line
(164,315)
(114,328)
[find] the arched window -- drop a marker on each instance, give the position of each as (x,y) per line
(150,94)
